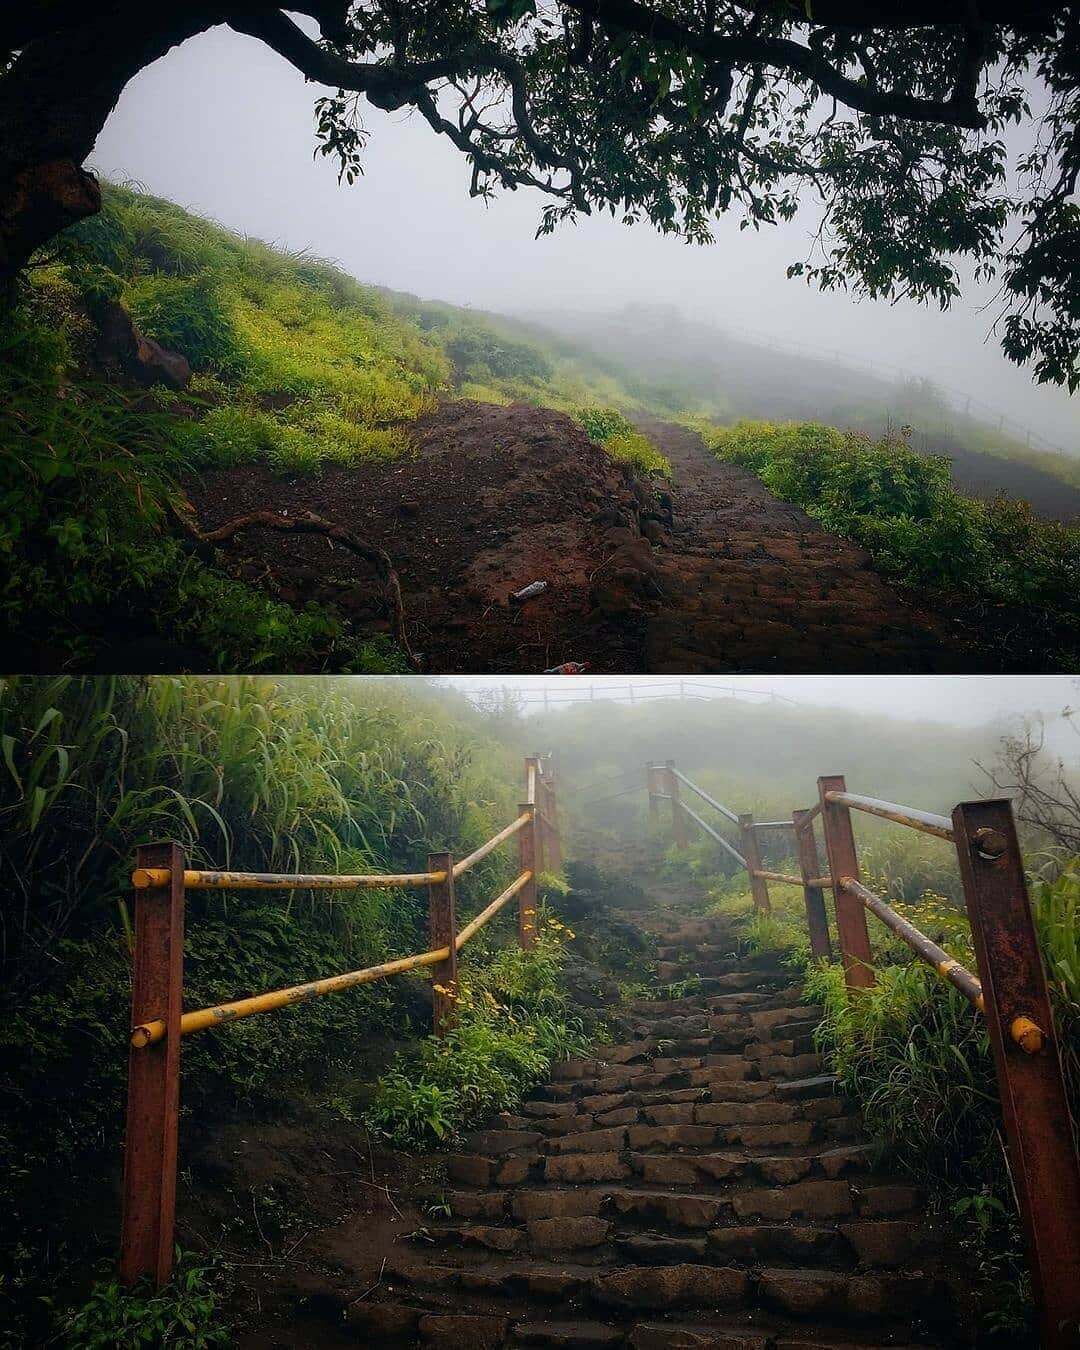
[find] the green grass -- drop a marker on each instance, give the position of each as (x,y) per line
(902,507)
(254,774)
(297,367)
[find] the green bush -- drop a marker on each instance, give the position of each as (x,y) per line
(183,1315)
(903,508)
(614,432)
(512,1024)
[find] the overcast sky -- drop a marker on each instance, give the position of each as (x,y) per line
(956,700)
(225,127)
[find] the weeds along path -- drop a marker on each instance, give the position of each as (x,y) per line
(698,1184)
(754,584)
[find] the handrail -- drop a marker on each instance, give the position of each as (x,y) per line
(149,1032)
(772,825)
(792,881)
(493,843)
(1008,987)
(718,837)
(145,878)
(926,821)
(148,878)
(724,810)
(474,925)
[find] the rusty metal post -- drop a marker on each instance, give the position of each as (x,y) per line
(535,794)
(527,863)
(650,787)
(678,820)
(759,887)
(1042,1155)
(443,933)
(153,1104)
(844,862)
(817,918)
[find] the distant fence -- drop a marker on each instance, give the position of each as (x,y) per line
(161,880)
(1009,990)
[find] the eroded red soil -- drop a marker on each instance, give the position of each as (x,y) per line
(715,575)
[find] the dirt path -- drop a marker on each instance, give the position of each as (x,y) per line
(753,584)
(498,497)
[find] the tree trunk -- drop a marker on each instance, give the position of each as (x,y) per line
(54,99)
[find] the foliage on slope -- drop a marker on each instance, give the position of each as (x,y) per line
(254,774)
(902,507)
(296,365)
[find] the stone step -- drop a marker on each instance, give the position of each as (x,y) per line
(621,1293)
(397,1323)
(718,1188)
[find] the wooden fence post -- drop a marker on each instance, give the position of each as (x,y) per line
(844,862)
(443,932)
(817,918)
(527,863)
(650,786)
(1042,1155)
(153,1104)
(759,887)
(678,820)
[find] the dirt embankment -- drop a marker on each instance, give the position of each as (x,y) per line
(707,574)
(494,498)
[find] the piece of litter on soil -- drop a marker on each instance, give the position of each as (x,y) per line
(568,668)
(527,592)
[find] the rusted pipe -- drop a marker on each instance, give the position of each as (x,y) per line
(492,844)
(925,821)
(724,810)
(946,966)
(713,835)
(147,878)
(149,1032)
(474,925)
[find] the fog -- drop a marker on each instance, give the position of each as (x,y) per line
(224,127)
(1002,703)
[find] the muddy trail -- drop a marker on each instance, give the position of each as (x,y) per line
(709,575)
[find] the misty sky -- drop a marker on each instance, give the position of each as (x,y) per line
(225,127)
(957,700)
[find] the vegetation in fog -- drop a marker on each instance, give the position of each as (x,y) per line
(296,366)
(902,507)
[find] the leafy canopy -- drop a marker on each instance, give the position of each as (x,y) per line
(893,116)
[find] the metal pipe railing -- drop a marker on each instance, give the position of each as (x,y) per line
(148,878)
(493,843)
(1027,1035)
(926,821)
(792,881)
(714,835)
(724,810)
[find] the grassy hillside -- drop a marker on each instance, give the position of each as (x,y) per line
(257,774)
(295,364)
(670,361)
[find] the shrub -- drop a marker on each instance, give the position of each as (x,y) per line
(512,1025)
(903,508)
(610,428)
(184,1315)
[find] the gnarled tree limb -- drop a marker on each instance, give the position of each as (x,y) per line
(307,522)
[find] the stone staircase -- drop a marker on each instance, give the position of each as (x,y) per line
(699,1185)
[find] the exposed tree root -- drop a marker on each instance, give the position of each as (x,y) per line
(307,522)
